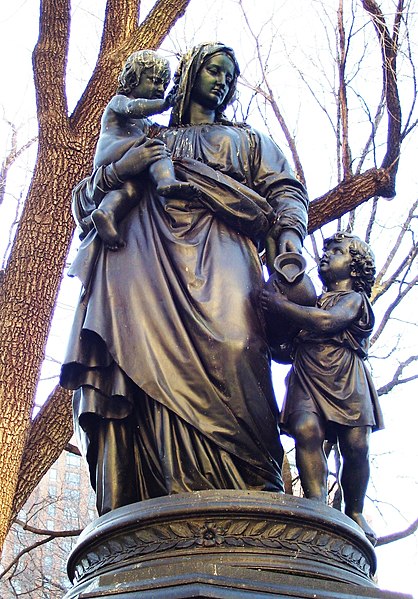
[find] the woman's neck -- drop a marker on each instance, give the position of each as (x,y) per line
(198,115)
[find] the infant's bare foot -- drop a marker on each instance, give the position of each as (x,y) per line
(362,522)
(105,225)
(177,189)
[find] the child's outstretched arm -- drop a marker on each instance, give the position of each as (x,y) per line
(137,108)
(333,320)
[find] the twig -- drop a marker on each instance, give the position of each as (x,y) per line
(397,536)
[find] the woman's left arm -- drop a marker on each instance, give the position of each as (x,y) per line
(274,180)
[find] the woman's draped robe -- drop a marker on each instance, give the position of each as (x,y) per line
(170,326)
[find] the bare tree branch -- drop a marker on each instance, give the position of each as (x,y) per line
(54,26)
(14,153)
(380,288)
(27,549)
(409,124)
(372,220)
(375,122)
(50,431)
(270,97)
(397,536)
(47,532)
(402,293)
(342,104)
(396,380)
(346,196)
(389,49)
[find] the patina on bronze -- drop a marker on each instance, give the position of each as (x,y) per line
(290,280)
(330,394)
(225,545)
(140,94)
(168,355)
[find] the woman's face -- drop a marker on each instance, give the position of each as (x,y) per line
(213,81)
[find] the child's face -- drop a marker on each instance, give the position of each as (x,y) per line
(151,86)
(335,264)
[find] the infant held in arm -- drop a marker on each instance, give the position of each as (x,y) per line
(142,84)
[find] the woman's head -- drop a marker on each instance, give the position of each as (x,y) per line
(208,72)
(362,267)
(136,64)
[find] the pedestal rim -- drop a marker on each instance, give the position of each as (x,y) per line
(221,504)
(279,502)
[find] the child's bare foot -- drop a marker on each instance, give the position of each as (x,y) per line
(361,521)
(177,189)
(105,225)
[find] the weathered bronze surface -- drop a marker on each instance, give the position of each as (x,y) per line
(330,394)
(140,94)
(290,280)
(168,355)
(169,361)
(223,544)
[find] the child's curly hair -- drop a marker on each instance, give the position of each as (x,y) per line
(362,264)
(138,61)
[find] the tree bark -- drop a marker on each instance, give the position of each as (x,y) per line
(49,432)
(31,281)
(346,196)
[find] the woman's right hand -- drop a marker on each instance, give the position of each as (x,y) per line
(140,157)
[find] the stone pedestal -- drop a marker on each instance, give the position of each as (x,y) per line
(224,544)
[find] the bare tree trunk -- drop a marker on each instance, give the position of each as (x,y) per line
(50,431)
(33,274)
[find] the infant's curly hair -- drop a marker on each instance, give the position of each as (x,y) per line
(138,61)
(363,262)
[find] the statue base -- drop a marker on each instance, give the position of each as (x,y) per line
(224,544)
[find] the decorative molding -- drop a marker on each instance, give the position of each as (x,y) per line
(203,534)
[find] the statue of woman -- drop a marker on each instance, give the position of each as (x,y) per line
(168,356)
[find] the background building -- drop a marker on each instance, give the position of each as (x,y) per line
(63,501)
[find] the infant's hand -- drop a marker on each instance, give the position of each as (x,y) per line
(172,97)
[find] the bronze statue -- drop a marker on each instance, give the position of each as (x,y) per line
(290,279)
(330,394)
(140,94)
(168,355)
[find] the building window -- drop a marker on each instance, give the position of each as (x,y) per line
(72,478)
(23,514)
(17,586)
(72,459)
(73,494)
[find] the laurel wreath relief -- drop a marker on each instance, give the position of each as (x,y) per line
(203,534)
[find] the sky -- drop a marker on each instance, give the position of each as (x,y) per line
(307,42)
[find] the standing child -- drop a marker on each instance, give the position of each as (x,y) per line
(330,394)
(140,94)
